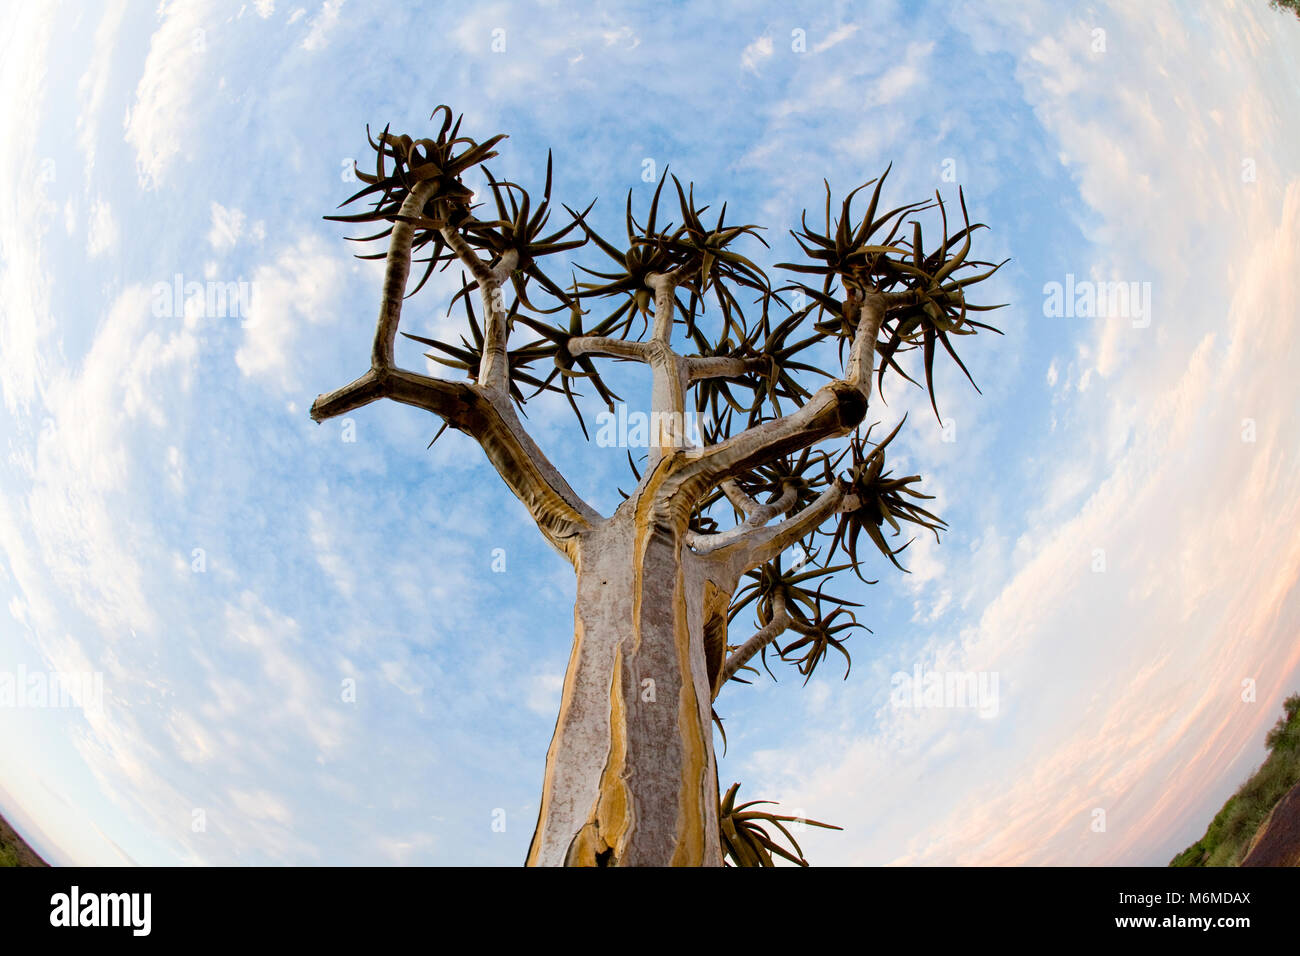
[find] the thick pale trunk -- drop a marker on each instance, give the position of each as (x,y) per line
(630,774)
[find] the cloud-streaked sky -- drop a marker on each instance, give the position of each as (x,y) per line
(1123,497)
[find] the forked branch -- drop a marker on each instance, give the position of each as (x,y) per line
(834,410)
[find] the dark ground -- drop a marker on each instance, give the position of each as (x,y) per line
(14,850)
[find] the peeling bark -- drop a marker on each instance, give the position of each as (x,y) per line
(630,774)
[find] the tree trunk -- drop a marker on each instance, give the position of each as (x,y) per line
(630,774)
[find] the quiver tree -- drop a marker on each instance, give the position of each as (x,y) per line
(743,522)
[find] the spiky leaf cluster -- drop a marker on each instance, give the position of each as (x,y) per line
(812,613)
(745,837)
(875,256)
(400,164)
(880,499)
(703,257)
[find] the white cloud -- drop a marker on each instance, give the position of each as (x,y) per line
(101,233)
(902,78)
(163,116)
(193,742)
(836,37)
(25,319)
(405,851)
(754,54)
(93,85)
(299,288)
(83,460)
(331,560)
(302,696)
(322,25)
(260,805)
(543,693)
(624,35)
(227,226)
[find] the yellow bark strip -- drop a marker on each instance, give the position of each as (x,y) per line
(585,846)
(713,613)
(610,820)
(690,809)
(566,704)
(614,809)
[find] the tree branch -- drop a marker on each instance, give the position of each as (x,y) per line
(670,381)
(720,366)
(490,419)
(742,655)
(481,411)
(757,546)
(397,269)
(664,285)
(494,370)
(607,345)
(466,254)
(757,518)
(736,495)
(363,391)
(835,409)
(494,373)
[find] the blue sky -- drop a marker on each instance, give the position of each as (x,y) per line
(207,140)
